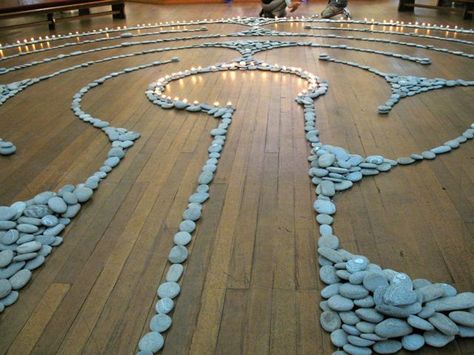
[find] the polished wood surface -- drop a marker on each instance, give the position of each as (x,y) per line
(251,283)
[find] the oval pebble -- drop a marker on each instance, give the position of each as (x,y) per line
(160,323)
(168,290)
(20,279)
(164,305)
(152,342)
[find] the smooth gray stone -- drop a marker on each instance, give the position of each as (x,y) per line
(387,347)
(356,350)
(350,329)
(366,302)
(203,188)
(10,237)
(449,291)
(24,257)
(444,324)
(340,304)
(356,264)
(419,323)
(460,301)
(29,247)
(178,254)
(25,238)
(327,188)
(30,220)
(160,323)
(57,204)
(419,283)
(441,149)
(10,299)
(399,312)
(326,160)
(325,229)
(324,206)
(437,339)
(57,241)
(339,338)
(71,211)
(205,177)
(369,315)
(192,214)
(56,230)
(174,273)
(319,172)
(349,317)
(426,312)
(36,211)
(83,193)
(462,318)
(187,226)
(182,238)
(416,156)
(466,332)
(393,328)
(357,277)
(405,160)
(198,197)
(369,172)
(343,185)
(428,155)
(384,167)
(70,198)
(330,290)
(6,257)
(164,305)
(343,274)
(330,254)
(431,292)
(328,241)
(45,250)
(354,176)
(453,144)
(27,228)
(112,162)
(5,225)
(374,279)
(330,321)
(413,342)
(358,341)
(35,263)
(20,279)
(169,290)
(328,275)
(7,213)
(152,342)
(43,197)
(324,219)
(50,220)
(353,292)
(5,288)
(365,327)
(399,295)
(324,306)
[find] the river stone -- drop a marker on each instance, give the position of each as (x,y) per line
(6,257)
(112,162)
(387,347)
(199,197)
(57,204)
(393,328)
(343,185)
(24,257)
(10,299)
(192,213)
(169,290)
(182,238)
(339,338)
(327,188)
(324,206)
(428,155)
(437,339)
(178,254)
(358,341)
(444,324)
(357,277)
(164,305)
(419,323)
(20,279)
(160,323)
(356,264)
(366,302)
(349,317)
(330,290)
(7,213)
(463,318)
(466,332)
(5,225)
(356,350)
(35,263)
(72,211)
(205,177)
(353,292)
(187,226)
(419,283)
(30,220)
(10,237)
(413,342)
(340,304)
(398,295)
(203,188)
(441,149)
(36,211)
(29,247)
(70,198)
(50,220)
(350,329)
(374,279)
(328,241)
(330,254)
(426,312)
(325,229)
(152,342)
(5,288)
(327,273)
(460,301)
(11,269)
(45,250)
(27,228)
(325,160)
(431,292)
(174,273)
(83,193)
(324,219)
(365,327)
(330,321)
(369,315)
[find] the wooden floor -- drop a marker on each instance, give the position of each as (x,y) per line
(251,284)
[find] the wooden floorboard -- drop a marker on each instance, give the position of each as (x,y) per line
(251,284)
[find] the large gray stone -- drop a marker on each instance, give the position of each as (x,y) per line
(152,342)
(57,204)
(20,279)
(5,288)
(393,328)
(169,290)
(83,193)
(463,318)
(160,323)
(29,247)
(330,321)
(7,213)
(375,279)
(387,346)
(178,254)
(356,350)
(340,304)
(413,342)
(354,292)
(6,257)
(437,339)
(460,301)
(174,272)
(324,206)
(339,338)
(444,324)
(419,323)
(164,305)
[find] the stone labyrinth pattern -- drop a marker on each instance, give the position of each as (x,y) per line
(366,308)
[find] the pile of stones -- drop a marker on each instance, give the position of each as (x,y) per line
(7,148)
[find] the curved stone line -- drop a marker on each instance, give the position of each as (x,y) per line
(408,34)
(402,86)
(29,230)
(100,39)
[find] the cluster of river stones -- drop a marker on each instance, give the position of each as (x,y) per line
(366,308)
